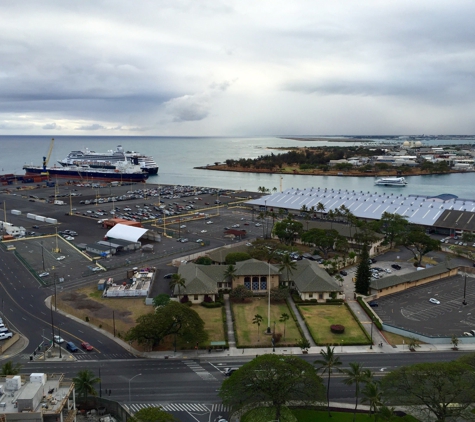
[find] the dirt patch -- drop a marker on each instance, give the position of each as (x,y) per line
(94,309)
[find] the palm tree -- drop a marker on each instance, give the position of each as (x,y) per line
(356,375)
(84,383)
(331,217)
(372,395)
(328,364)
(284,318)
(287,265)
(257,320)
(230,274)
(385,413)
(321,209)
(177,281)
(8,368)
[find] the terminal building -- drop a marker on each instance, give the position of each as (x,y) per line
(445,214)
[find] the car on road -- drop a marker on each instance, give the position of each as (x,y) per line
(69,237)
(229,371)
(235,226)
(4,336)
(396,266)
(343,272)
(204,231)
(45,274)
(209,222)
(60,258)
(434,301)
(86,346)
(199,240)
(183,226)
(95,269)
(258,224)
(58,339)
(35,227)
(168,276)
(71,347)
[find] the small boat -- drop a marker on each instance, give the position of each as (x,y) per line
(391,181)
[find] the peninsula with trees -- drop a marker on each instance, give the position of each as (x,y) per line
(362,160)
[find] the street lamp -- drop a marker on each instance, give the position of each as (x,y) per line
(371,346)
(130,380)
(465,290)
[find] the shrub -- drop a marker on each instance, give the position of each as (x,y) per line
(240,293)
(208,299)
(337,329)
(211,304)
(277,337)
(184,299)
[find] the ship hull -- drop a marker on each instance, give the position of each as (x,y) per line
(87,174)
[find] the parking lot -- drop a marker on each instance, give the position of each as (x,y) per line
(413,310)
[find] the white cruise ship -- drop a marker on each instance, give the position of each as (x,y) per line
(391,181)
(109,159)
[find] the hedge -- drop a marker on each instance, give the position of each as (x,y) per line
(365,307)
(211,304)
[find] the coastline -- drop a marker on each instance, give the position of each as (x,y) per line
(340,173)
(323,139)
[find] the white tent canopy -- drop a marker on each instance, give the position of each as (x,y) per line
(122,231)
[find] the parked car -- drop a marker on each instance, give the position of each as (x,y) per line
(434,301)
(183,226)
(168,276)
(343,272)
(396,266)
(199,240)
(86,346)
(71,347)
(373,304)
(60,258)
(45,274)
(4,336)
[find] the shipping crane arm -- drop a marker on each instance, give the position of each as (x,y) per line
(48,156)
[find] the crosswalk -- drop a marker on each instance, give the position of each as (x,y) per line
(199,370)
(180,407)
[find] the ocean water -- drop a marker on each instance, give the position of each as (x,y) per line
(177,157)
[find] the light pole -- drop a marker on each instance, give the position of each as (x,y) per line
(465,290)
(371,345)
(135,376)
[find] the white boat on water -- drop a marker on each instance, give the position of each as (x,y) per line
(391,181)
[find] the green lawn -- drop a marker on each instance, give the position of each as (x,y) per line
(319,318)
(304,415)
(213,319)
(247,332)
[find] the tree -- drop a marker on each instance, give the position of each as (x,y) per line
(321,209)
(288,230)
(177,282)
(455,342)
(413,344)
(153,414)
(328,364)
(161,300)
(386,414)
(372,395)
(233,257)
(304,344)
(287,265)
(445,389)
(173,319)
(323,240)
(393,226)
(240,293)
(9,368)
(356,375)
(284,318)
(257,320)
(272,379)
(230,274)
(84,383)
(204,260)
(419,243)
(363,273)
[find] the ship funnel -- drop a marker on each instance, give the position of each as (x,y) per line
(119,148)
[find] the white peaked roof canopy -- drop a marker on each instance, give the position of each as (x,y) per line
(122,231)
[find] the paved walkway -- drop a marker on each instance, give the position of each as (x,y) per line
(301,322)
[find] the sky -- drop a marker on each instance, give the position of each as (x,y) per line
(237,67)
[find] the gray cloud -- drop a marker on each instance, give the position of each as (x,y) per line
(239,66)
(94,126)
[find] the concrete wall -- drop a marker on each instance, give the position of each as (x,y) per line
(425,339)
